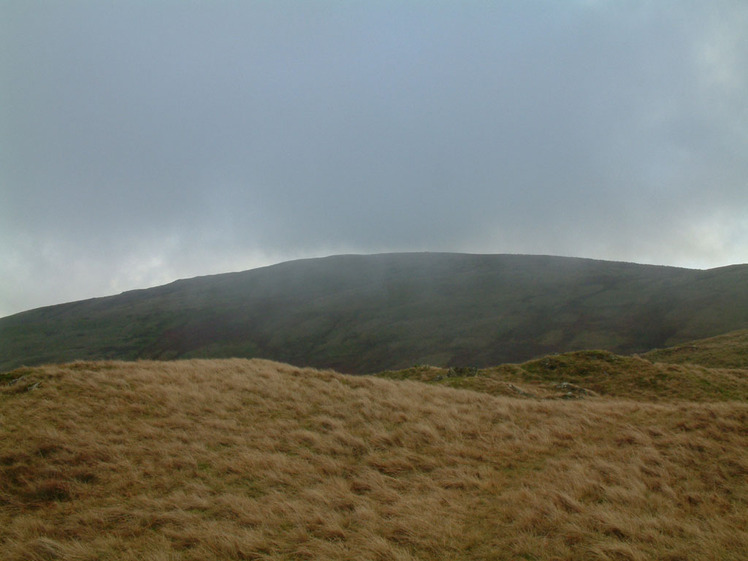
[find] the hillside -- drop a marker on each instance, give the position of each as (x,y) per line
(582,374)
(713,369)
(729,350)
(237,459)
(362,314)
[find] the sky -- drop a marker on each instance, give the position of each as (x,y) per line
(146,141)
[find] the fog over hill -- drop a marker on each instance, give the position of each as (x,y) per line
(143,142)
(363,314)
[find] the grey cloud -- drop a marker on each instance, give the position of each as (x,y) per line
(180,138)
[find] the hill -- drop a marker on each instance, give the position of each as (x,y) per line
(362,314)
(239,459)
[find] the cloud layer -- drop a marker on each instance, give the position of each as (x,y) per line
(144,142)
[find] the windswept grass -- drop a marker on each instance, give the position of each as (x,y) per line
(238,459)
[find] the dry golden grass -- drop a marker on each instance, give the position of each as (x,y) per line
(240,459)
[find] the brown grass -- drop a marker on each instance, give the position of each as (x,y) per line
(238,459)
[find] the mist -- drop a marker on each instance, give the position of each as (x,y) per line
(141,143)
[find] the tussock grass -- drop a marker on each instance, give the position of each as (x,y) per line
(248,459)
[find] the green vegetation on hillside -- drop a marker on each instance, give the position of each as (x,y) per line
(729,350)
(362,314)
(583,374)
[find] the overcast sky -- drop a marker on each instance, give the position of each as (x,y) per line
(145,141)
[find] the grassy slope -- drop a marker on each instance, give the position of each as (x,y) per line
(368,313)
(584,373)
(729,350)
(714,369)
(236,459)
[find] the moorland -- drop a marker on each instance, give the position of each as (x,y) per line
(366,313)
(586,455)
(504,407)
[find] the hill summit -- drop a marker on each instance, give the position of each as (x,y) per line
(361,314)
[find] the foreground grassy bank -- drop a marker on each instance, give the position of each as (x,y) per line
(248,459)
